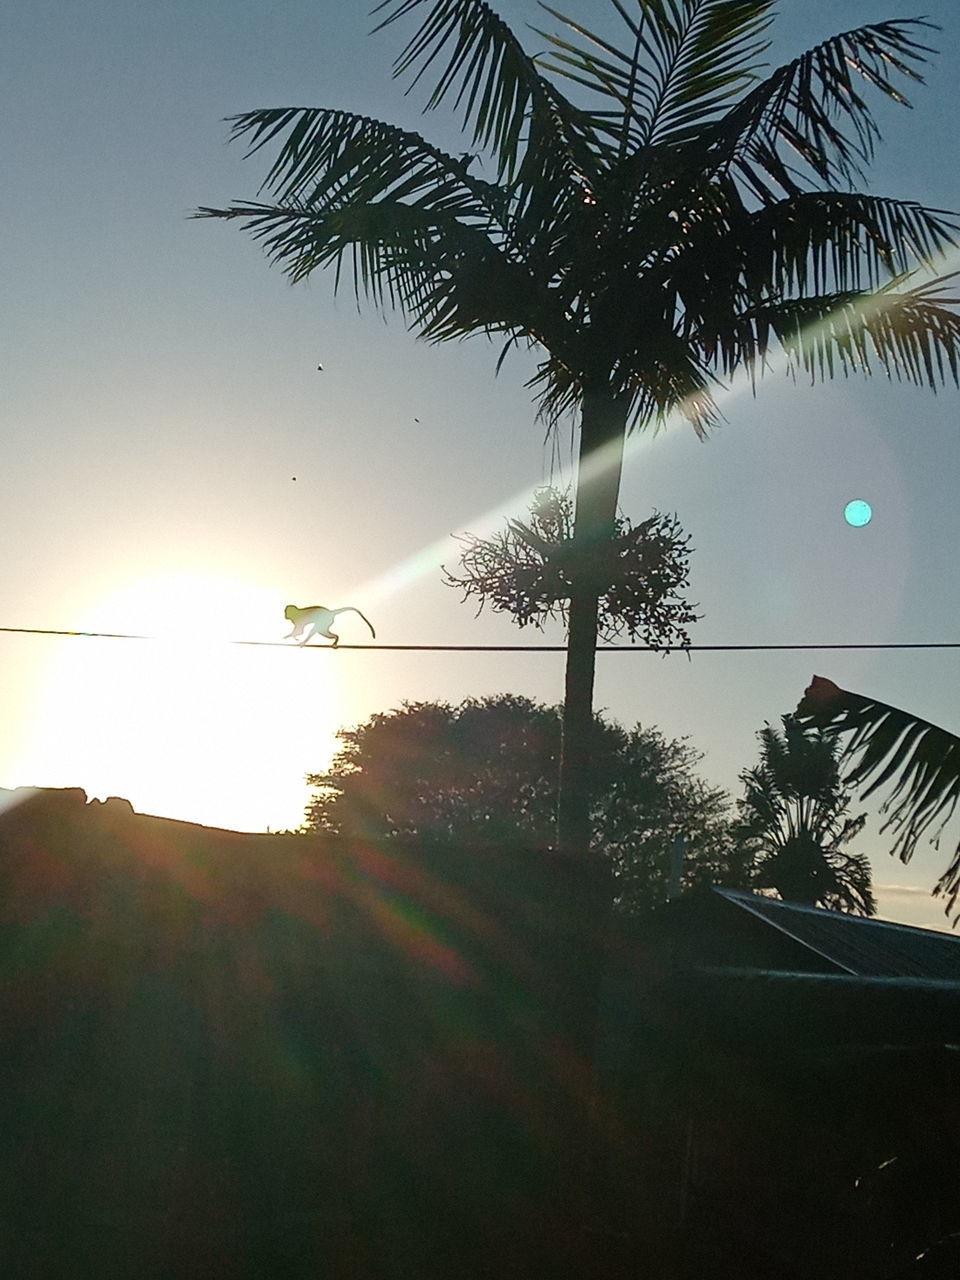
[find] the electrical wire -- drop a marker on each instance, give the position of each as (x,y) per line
(508,648)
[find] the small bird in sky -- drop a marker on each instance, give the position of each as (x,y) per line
(319,368)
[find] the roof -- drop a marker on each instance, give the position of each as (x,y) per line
(857,945)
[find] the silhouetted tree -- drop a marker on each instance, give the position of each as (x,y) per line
(794,816)
(917,761)
(484,772)
(673,221)
(526,571)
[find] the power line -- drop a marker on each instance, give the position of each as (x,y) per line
(506,648)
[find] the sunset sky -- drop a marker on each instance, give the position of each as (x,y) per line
(175,465)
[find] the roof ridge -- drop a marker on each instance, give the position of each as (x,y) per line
(748,899)
(748,895)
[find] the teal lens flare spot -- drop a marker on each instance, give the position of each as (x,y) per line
(858,513)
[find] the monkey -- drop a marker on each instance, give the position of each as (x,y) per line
(318,618)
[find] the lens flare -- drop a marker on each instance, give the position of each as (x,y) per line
(858,513)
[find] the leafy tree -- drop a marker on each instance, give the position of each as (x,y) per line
(794,815)
(526,571)
(485,772)
(917,760)
(674,219)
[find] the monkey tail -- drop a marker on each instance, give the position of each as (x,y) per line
(352,609)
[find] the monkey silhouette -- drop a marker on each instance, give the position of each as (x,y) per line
(315,619)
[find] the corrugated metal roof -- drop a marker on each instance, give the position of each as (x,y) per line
(859,946)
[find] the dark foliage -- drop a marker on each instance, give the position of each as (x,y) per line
(485,773)
(918,762)
(531,571)
(794,815)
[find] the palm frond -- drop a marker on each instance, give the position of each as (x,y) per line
(448,277)
(683,61)
(809,116)
(816,241)
(557,386)
(912,335)
(476,287)
(387,243)
(350,187)
(837,246)
(331,158)
(509,109)
(657,375)
(670,379)
(842,240)
(919,761)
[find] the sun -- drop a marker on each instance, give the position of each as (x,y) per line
(185,723)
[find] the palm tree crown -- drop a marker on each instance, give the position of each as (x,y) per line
(647,241)
(794,815)
(671,218)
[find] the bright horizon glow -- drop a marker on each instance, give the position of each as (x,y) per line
(185,725)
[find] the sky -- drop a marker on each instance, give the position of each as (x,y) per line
(175,465)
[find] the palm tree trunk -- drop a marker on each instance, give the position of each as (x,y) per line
(602,430)
(583,1161)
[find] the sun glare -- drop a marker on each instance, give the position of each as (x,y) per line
(185,724)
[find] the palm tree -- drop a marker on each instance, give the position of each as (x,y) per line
(918,761)
(673,220)
(794,815)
